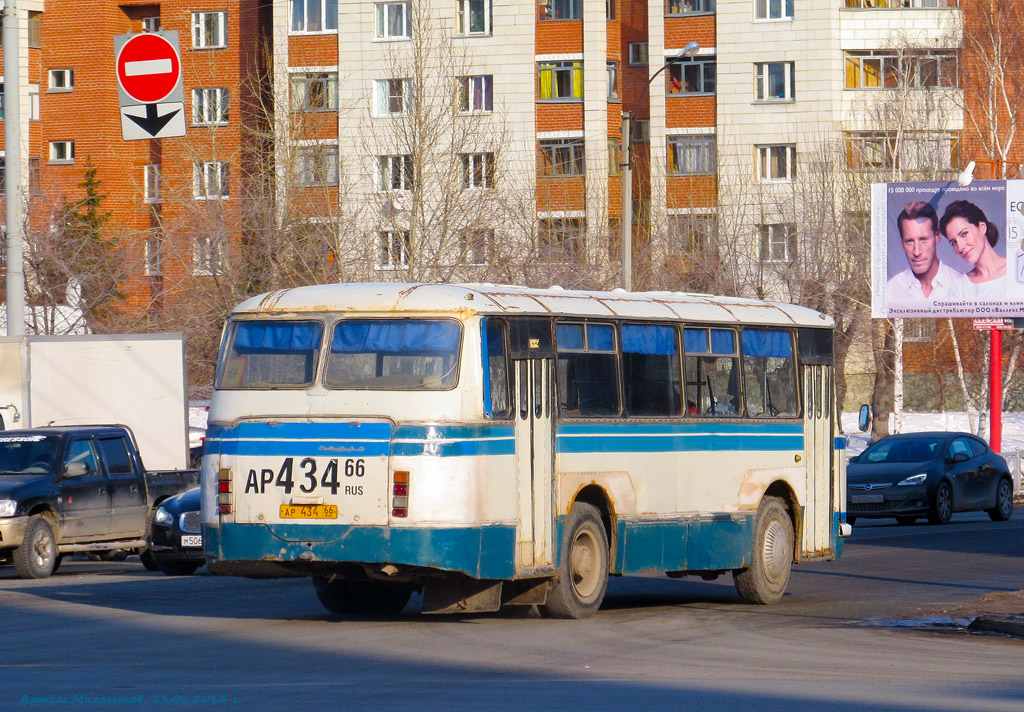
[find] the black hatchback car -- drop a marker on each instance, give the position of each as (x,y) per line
(177,534)
(911,475)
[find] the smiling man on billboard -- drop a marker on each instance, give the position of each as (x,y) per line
(927,279)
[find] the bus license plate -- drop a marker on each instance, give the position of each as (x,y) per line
(191,540)
(309,511)
(867,498)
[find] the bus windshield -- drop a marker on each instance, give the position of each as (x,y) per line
(394,354)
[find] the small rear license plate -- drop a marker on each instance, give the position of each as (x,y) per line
(191,540)
(309,511)
(867,498)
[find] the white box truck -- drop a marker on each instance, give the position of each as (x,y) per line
(138,380)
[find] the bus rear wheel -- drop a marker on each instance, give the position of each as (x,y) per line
(582,577)
(765,580)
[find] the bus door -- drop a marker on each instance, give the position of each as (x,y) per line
(818,459)
(533,386)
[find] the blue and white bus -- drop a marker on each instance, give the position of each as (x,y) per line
(493,445)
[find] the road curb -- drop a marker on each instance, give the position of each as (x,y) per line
(1006,625)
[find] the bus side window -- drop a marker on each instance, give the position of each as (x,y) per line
(588,372)
(497,370)
(650,370)
(711,369)
(769,373)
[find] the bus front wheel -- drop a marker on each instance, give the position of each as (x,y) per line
(765,580)
(582,577)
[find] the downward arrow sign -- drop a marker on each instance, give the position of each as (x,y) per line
(152,122)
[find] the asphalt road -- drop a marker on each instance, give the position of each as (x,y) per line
(119,637)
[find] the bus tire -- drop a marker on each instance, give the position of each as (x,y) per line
(334,595)
(582,576)
(379,598)
(765,580)
(36,558)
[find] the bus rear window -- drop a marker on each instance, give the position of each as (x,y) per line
(271,354)
(394,354)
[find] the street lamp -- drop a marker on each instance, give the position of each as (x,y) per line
(626,226)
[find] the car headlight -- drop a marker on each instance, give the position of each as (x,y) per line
(162,516)
(7,507)
(915,480)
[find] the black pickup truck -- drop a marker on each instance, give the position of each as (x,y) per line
(76,489)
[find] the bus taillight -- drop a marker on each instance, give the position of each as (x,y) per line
(224,491)
(400,494)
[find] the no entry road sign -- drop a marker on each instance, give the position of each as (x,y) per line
(149,85)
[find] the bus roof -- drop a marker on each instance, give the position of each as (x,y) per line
(509,299)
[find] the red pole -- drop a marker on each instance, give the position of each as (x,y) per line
(995,388)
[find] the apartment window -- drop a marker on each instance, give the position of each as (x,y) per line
(392,96)
(561,80)
(477,170)
(692,155)
(560,9)
(613,81)
(773,81)
(610,10)
(642,132)
(393,248)
(314,15)
(918,329)
(3,97)
(561,239)
(151,24)
(912,151)
(208,254)
(476,93)
(776,163)
(901,4)
(3,174)
(315,91)
(35,175)
(614,157)
(33,102)
(561,157)
(35,35)
(151,183)
(62,151)
(391,20)
(317,165)
(773,9)
(475,246)
(61,80)
(694,234)
(688,7)
(210,180)
(473,17)
(210,107)
(394,173)
(778,242)
(638,53)
(154,266)
(209,30)
(891,69)
(694,75)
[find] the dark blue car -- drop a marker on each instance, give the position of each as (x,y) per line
(931,475)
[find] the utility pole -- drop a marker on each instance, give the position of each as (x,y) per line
(12,170)
(626,221)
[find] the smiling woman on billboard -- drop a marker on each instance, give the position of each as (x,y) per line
(974,237)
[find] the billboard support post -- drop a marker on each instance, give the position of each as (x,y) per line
(995,389)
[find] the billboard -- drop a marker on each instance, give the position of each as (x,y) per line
(947,250)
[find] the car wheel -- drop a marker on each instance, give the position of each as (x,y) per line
(37,556)
(334,595)
(1004,502)
(582,577)
(942,506)
(765,580)
(174,567)
(149,561)
(905,521)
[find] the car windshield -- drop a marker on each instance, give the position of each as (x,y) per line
(903,450)
(27,454)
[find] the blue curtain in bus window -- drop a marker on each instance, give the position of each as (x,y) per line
(394,354)
(600,337)
(569,336)
(264,336)
(391,336)
(650,367)
(496,381)
(271,354)
(723,341)
(695,341)
(769,373)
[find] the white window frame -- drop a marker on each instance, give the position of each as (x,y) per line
(675,8)
(151,24)
(639,54)
(392,244)
(62,152)
(326,18)
(151,183)
(692,155)
(153,256)
(464,16)
(475,246)
(207,253)
(389,92)
(477,170)
(776,237)
(317,165)
(694,233)
(558,153)
(59,81)
(210,107)
(383,18)
(300,83)
(762,76)
(218,39)
(33,102)
(395,172)
(782,10)
(559,70)
(211,180)
(561,239)
(702,70)
(904,65)
(477,85)
(773,156)
(566,10)
(613,80)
